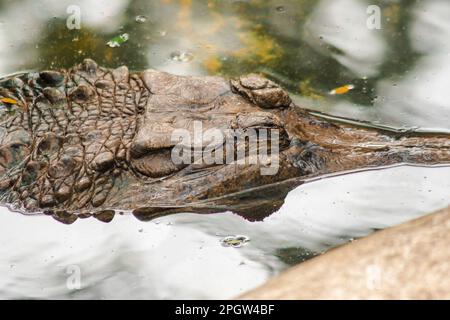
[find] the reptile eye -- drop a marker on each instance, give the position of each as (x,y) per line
(155,164)
(150,152)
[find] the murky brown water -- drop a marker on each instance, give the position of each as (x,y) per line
(400,78)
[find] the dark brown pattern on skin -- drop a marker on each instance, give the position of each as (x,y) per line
(89,140)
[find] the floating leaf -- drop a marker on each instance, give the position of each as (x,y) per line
(342,90)
(118,41)
(8,100)
(235,241)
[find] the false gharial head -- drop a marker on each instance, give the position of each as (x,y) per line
(89,140)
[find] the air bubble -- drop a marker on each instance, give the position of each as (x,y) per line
(181,56)
(140,19)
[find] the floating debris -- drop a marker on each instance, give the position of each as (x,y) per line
(8,100)
(140,19)
(118,41)
(280,9)
(181,56)
(342,90)
(235,241)
(7,104)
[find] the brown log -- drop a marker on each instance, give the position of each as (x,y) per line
(410,261)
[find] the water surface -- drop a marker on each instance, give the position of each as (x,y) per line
(401,79)
(181,256)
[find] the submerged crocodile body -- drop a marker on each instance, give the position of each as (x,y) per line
(89,140)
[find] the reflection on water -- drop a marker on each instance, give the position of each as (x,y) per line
(182,256)
(400,74)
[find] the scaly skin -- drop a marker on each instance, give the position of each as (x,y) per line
(89,140)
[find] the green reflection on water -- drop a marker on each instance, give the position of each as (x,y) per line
(230,38)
